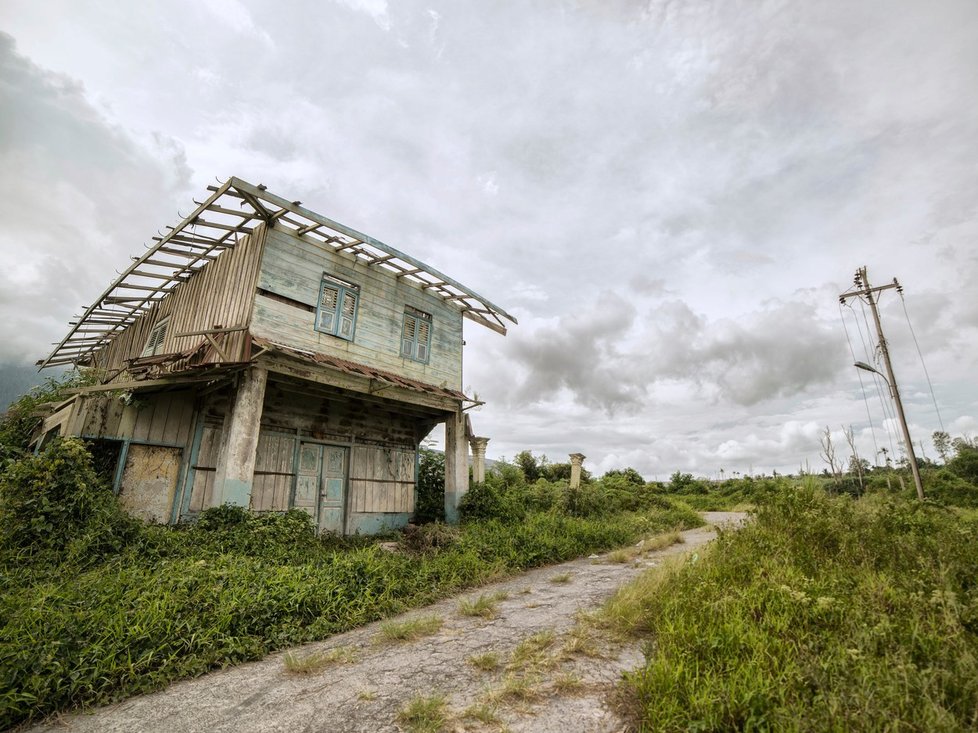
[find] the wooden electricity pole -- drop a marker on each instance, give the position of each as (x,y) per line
(865,291)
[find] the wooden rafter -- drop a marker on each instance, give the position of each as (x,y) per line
(197,241)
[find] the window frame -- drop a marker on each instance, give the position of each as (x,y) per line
(345,291)
(417,317)
(157,336)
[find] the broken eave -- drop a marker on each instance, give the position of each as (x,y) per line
(232,211)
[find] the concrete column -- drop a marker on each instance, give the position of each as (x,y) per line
(576,460)
(456,465)
(478,458)
(239,443)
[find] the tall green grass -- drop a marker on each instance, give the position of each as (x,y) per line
(115,608)
(822,614)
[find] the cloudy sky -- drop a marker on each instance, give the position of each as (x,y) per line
(670,196)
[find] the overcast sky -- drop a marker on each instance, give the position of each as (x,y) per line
(670,196)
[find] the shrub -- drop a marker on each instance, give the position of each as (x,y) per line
(52,506)
(430,505)
(21,418)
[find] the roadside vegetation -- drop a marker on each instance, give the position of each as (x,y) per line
(823,613)
(96,606)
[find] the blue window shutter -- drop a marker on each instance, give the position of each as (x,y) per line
(328,306)
(408,335)
(348,313)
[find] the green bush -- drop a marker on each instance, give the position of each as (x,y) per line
(53,508)
(18,422)
(430,504)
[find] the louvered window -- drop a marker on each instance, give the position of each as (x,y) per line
(337,311)
(154,344)
(416,335)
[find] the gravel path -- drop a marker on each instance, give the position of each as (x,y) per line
(559,678)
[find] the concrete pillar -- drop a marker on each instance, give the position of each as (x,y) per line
(239,443)
(478,458)
(456,465)
(576,460)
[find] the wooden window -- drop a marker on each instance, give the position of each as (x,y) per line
(154,344)
(337,310)
(416,335)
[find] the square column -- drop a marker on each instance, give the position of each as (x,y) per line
(456,465)
(478,459)
(576,460)
(239,442)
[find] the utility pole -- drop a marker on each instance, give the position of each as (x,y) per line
(865,291)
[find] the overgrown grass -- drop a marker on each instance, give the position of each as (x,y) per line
(316,662)
(425,714)
(822,614)
(410,629)
(486,605)
(110,608)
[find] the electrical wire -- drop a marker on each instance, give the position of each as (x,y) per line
(871,355)
(862,386)
(922,363)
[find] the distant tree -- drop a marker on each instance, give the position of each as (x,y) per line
(828,452)
(630,475)
(525,461)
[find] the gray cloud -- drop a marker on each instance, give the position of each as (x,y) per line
(670,196)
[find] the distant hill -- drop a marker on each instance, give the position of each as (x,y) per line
(17,379)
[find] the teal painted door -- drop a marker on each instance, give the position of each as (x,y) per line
(320,485)
(332,502)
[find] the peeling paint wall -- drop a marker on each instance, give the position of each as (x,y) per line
(149,481)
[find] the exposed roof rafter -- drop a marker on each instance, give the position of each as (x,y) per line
(196,240)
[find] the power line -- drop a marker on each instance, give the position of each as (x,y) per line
(922,362)
(862,386)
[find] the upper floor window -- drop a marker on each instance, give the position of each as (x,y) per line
(154,344)
(337,311)
(416,335)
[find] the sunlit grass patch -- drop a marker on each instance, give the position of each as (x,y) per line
(425,714)
(318,661)
(534,651)
(486,662)
(561,578)
(486,605)
(410,629)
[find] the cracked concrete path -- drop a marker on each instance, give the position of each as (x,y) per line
(558,679)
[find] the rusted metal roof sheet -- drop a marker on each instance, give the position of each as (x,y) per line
(361,370)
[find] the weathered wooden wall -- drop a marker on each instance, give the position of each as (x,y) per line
(291,271)
(165,418)
(219,293)
(382,442)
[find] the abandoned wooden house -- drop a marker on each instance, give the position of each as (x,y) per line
(262,355)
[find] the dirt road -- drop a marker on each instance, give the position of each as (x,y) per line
(529,668)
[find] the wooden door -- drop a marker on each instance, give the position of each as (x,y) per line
(332,503)
(149,481)
(307,478)
(320,487)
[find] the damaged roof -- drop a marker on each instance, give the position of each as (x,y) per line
(233,210)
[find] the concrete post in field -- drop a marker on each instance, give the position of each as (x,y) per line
(456,465)
(239,442)
(576,460)
(478,458)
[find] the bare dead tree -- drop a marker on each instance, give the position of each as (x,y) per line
(828,452)
(855,461)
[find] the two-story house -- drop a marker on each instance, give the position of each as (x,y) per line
(262,355)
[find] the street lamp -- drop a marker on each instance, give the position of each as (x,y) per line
(895,394)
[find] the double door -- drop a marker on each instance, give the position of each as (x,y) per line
(320,487)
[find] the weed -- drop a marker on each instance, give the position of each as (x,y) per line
(318,661)
(424,714)
(485,714)
(516,688)
(486,606)
(486,662)
(560,578)
(366,695)
(533,652)
(410,629)
(662,541)
(622,556)
(567,683)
